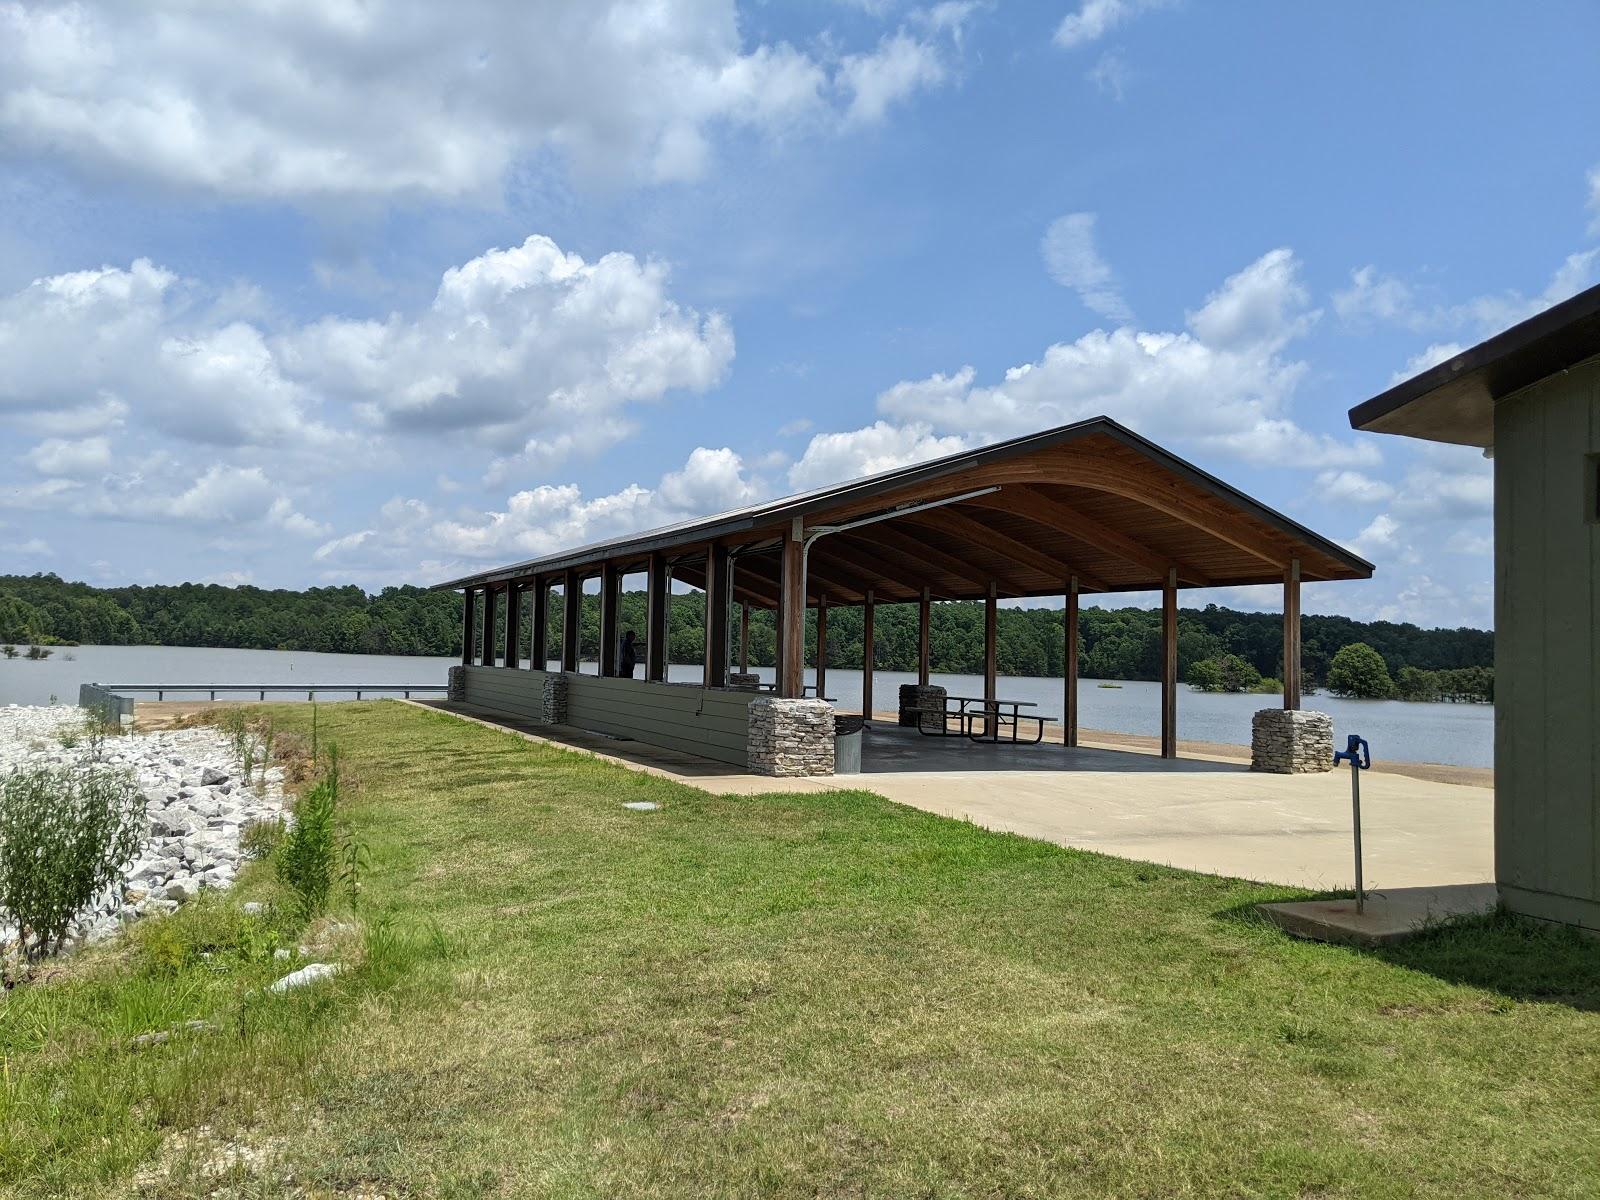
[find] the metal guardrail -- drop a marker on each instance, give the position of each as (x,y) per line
(111,707)
(95,695)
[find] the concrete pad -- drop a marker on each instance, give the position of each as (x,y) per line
(1200,814)
(1390,916)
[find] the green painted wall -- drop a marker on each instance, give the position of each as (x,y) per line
(1547,648)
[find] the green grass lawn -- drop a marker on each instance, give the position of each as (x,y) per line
(792,996)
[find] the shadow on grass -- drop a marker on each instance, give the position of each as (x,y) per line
(1516,957)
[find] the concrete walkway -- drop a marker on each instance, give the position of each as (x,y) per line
(1200,814)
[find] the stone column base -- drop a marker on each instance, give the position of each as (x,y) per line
(456,685)
(555,698)
(916,698)
(1288,741)
(744,679)
(791,737)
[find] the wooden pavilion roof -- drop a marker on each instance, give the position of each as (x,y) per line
(1091,499)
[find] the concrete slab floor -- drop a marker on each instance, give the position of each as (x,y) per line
(1205,815)
(1389,916)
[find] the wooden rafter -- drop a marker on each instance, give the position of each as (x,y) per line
(764,569)
(1063,518)
(893,571)
(827,576)
(900,538)
(1102,474)
(1034,559)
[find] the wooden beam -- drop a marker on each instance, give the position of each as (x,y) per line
(749,584)
(716,656)
(488,626)
(658,596)
(831,572)
(924,628)
(539,629)
(469,604)
(610,601)
(1291,635)
(979,534)
(1103,473)
(571,620)
(907,544)
(991,647)
(1169,666)
(792,619)
(1063,518)
(745,593)
(1069,668)
(744,638)
(867,652)
(514,591)
(822,648)
(752,580)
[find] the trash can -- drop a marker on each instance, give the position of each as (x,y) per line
(847,745)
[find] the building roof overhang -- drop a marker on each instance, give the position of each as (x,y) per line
(1454,401)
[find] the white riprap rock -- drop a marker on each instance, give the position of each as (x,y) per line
(195,804)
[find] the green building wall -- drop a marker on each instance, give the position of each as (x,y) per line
(1547,647)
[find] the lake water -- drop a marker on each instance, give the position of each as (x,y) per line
(1458,734)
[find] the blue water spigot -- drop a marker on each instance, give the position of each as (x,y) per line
(1355,752)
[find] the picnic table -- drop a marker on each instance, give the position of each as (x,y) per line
(1001,720)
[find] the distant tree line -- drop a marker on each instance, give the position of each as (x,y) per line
(1245,649)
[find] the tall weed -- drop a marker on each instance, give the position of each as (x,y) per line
(307,858)
(66,834)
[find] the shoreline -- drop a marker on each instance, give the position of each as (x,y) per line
(158,714)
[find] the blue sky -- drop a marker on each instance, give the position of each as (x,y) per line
(323,292)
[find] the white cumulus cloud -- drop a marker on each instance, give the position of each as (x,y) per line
(1225,384)
(1351,487)
(411,536)
(531,351)
(897,68)
(882,446)
(1093,19)
(74,459)
(337,99)
(519,346)
(1073,260)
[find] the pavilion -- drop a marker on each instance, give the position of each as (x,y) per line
(1086,508)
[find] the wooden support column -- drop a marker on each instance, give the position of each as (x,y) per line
(539,626)
(488,626)
(792,618)
(1169,666)
(513,625)
(1291,635)
(469,602)
(822,647)
(744,638)
(991,648)
(867,653)
(571,620)
(924,625)
(610,601)
(1069,669)
(716,658)
(657,589)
